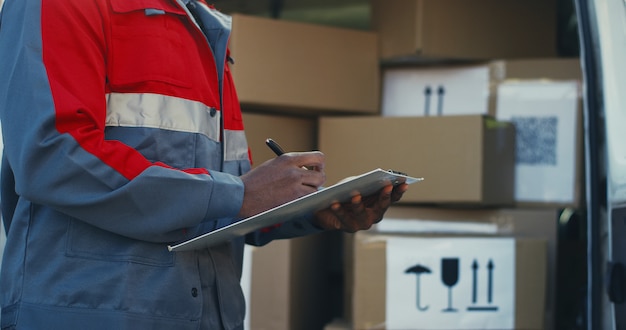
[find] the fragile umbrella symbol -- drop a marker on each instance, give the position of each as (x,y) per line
(418,270)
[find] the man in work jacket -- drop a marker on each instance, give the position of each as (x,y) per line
(122,134)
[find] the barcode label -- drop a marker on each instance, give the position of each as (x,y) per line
(536,140)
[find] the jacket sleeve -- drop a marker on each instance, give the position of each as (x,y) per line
(53,109)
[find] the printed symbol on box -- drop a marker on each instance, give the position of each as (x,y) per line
(475,272)
(450,277)
(428,91)
(418,270)
(440,92)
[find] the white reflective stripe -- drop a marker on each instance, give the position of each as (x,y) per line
(236,147)
(162,111)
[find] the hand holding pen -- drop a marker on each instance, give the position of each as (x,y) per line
(281,179)
(279,151)
(360,213)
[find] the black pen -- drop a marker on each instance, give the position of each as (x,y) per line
(276,148)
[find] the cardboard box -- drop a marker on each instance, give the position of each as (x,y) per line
(461,29)
(290,287)
(549,168)
(539,223)
(293,134)
(304,68)
(463,88)
(499,283)
(465,160)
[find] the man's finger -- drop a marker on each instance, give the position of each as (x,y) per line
(384,198)
(398,191)
(313,178)
(356,205)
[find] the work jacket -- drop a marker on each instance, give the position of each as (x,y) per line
(123,134)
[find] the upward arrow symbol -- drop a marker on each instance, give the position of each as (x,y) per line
(490,281)
(474,308)
(474,280)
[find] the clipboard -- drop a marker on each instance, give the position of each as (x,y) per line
(366,184)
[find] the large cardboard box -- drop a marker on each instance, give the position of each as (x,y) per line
(464,159)
(306,68)
(454,89)
(537,223)
(494,283)
(292,132)
(461,29)
(290,284)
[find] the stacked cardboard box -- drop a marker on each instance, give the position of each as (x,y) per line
(412,282)
(458,29)
(468,235)
(464,159)
(301,68)
(430,101)
(314,87)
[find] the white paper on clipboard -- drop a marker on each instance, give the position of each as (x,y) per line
(365,184)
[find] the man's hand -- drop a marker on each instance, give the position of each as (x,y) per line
(281,180)
(361,212)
